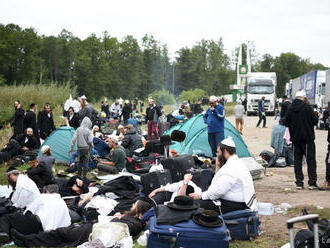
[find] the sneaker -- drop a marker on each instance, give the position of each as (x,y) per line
(298,187)
(313,187)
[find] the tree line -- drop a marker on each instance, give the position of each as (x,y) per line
(127,68)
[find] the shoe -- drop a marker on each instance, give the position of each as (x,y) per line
(298,187)
(326,185)
(313,187)
(264,127)
(4,238)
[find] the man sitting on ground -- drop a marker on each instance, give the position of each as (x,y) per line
(168,192)
(42,212)
(118,158)
(131,141)
(47,158)
(40,173)
(28,141)
(232,186)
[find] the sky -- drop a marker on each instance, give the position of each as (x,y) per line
(299,26)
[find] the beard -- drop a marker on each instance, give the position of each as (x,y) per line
(222,160)
(12,183)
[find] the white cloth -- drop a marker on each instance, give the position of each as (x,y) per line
(233,182)
(103,205)
(175,187)
(115,108)
(53,212)
(239,111)
(26,194)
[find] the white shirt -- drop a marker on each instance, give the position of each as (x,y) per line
(26,194)
(239,111)
(115,108)
(232,182)
(175,187)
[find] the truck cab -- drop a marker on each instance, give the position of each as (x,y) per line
(258,87)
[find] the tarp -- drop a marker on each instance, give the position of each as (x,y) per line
(60,143)
(196,141)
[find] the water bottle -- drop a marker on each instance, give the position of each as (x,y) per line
(265,208)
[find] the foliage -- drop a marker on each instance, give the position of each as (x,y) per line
(163,97)
(33,93)
(192,95)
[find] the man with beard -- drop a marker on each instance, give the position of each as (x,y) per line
(28,141)
(18,122)
(232,187)
(30,120)
(46,122)
(40,173)
(115,109)
(127,111)
(42,212)
(87,110)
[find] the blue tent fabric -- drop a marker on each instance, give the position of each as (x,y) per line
(196,141)
(60,143)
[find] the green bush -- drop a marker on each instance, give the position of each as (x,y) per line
(27,94)
(192,95)
(163,97)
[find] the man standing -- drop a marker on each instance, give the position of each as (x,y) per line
(239,114)
(115,109)
(18,122)
(83,137)
(127,111)
(46,122)
(87,110)
(30,120)
(153,112)
(198,107)
(261,112)
(232,185)
(300,120)
(215,120)
(284,109)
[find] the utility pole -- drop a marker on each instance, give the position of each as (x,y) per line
(173,77)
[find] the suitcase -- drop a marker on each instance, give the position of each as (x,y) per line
(178,166)
(310,217)
(202,177)
(154,180)
(242,224)
(186,235)
(154,146)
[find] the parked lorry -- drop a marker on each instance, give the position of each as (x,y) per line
(261,84)
(327,87)
(314,84)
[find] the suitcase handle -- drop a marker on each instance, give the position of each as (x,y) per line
(314,218)
(231,222)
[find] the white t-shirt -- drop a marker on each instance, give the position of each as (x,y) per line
(175,187)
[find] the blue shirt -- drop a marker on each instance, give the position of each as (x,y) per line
(261,106)
(215,120)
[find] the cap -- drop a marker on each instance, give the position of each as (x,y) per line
(301,93)
(45,149)
(228,142)
(213,99)
(83,97)
(114,139)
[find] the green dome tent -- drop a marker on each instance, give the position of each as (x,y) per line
(196,141)
(60,143)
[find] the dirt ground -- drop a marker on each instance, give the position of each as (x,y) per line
(278,187)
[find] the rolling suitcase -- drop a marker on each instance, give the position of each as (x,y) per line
(154,180)
(310,217)
(186,235)
(202,177)
(178,166)
(242,224)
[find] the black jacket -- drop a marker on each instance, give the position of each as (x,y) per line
(74,122)
(198,109)
(41,175)
(284,108)
(150,112)
(31,142)
(131,142)
(301,119)
(45,124)
(127,110)
(18,122)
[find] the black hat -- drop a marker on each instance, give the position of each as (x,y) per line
(208,218)
(178,136)
(183,203)
(165,140)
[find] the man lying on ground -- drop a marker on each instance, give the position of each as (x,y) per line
(168,192)
(42,212)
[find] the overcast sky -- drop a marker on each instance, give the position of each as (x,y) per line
(275,26)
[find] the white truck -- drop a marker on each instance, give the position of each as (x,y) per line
(314,84)
(261,84)
(327,87)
